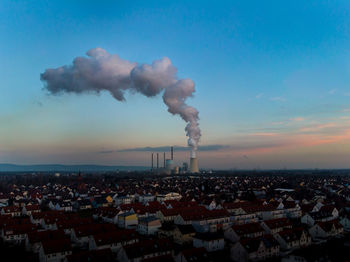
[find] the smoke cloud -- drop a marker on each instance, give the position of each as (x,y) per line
(101,71)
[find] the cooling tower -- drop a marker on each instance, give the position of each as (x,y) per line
(194,165)
(169,165)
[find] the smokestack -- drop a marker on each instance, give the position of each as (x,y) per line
(164,160)
(172,153)
(152,162)
(193,163)
(157,160)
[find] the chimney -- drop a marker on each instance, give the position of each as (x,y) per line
(157,160)
(172,153)
(164,160)
(152,162)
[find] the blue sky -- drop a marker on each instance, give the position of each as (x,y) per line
(273,75)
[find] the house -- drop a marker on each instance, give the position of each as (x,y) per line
(148,225)
(167,215)
(292,209)
(16,233)
(29,209)
(146,198)
(55,250)
(107,214)
(68,225)
(208,220)
(235,208)
(105,255)
(34,238)
(83,204)
(210,241)
(323,230)
(293,238)
(81,234)
(273,210)
(333,211)
(193,254)
(345,222)
(167,230)
(210,204)
(244,218)
(292,258)
(37,218)
(148,249)
(169,196)
(65,206)
(183,234)
(113,240)
(325,213)
(120,200)
(307,219)
(274,226)
(127,220)
(253,249)
(237,232)
(14,211)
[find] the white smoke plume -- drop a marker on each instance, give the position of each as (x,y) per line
(101,71)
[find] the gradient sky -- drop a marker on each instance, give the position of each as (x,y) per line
(272,82)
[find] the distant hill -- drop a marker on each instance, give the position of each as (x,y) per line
(67,168)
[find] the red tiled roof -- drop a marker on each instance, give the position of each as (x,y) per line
(56,246)
(148,247)
(18,229)
(327,226)
(66,224)
(249,228)
(39,236)
(277,223)
(178,204)
(101,255)
(93,229)
(164,258)
(115,237)
(205,214)
(176,211)
(195,254)
(11,209)
(32,207)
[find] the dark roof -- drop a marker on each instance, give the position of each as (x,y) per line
(115,237)
(164,258)
(208,236)
(278,223)
(186,229)
(148,247)
(39,236)
(249,228)
(100,255)
(56,246)
(196,254)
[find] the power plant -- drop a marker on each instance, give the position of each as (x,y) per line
(194,165)
(169,165)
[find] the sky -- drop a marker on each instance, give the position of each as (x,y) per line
(272,82)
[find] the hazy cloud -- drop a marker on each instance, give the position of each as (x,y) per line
(332,91)
(297,119)
(176,148)
(278,98)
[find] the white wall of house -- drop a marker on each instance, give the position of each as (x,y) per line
(210,245)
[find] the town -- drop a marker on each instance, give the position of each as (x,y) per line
(229,216)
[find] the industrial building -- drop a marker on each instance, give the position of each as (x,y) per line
(169,166)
